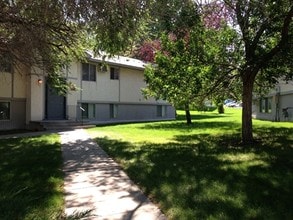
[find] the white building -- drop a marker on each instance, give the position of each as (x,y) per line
(107,93)
(277,105)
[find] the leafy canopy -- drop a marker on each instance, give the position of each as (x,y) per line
(48,34)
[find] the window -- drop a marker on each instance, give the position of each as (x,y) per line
(161,110)
(265,105)
(88,110)
(113,111)
(114,73)
(4,110)
(88,72)
(5,63)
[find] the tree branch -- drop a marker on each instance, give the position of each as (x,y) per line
(284,39)
(258,35)
(243,24)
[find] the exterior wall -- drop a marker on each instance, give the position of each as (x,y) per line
(17,114)
(128,112)
(26,97)
(286,101)
(124,92)
(19,85)
(73,75)
(131,83)
(281,98)
(13,90)
(35,96)
(143,112)
(6,85)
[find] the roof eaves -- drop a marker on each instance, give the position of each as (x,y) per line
(118,61)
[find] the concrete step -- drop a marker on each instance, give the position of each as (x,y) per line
(57,125)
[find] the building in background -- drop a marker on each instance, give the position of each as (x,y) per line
(277,105)
(109,91)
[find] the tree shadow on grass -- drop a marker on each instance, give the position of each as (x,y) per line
(229,126)
(199,116)
(30,178)
(205,176)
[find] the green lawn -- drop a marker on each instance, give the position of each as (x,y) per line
(201,171)
(31,179)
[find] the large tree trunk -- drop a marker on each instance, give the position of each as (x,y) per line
(187,114)
(248,81)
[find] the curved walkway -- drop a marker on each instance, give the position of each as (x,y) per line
(93,181)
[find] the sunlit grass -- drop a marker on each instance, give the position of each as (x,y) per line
(166,131)
(201,171)
(31,180)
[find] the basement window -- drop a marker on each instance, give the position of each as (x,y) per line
(88,110)
(113,110)
(161,110)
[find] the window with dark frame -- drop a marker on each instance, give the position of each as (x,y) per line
(161,110)
(88,110)
(113,110)
(114,73)
(4,110)
(88,72)
(5,63)
(265,105)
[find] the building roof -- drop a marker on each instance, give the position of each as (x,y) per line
(117,60)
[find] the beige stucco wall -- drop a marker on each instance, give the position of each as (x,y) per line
(102,90)
(13,85)
(19,88)
(131,83)
(126,89)
(35,96)
(5,85)
(72,74)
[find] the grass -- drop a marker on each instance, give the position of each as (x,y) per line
(201,171)
(31,180)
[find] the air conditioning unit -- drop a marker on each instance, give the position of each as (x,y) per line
(102,68)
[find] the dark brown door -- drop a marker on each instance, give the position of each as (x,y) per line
(55,105)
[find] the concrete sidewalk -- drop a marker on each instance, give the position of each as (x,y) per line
(93,181)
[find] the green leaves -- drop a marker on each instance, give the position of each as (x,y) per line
(176,73)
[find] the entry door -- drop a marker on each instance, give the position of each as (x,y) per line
(55,105)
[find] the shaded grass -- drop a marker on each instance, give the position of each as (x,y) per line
(201,171)
(31,179)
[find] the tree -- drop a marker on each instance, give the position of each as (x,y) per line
(49,33)
(246,41)
(250,41)
(175,77)
(175,17)
(36,33)
(265,29)
(177,72)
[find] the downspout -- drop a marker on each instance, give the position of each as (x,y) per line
(119,86)
(66,100)
(277,115)
(80,108)
(12,79)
